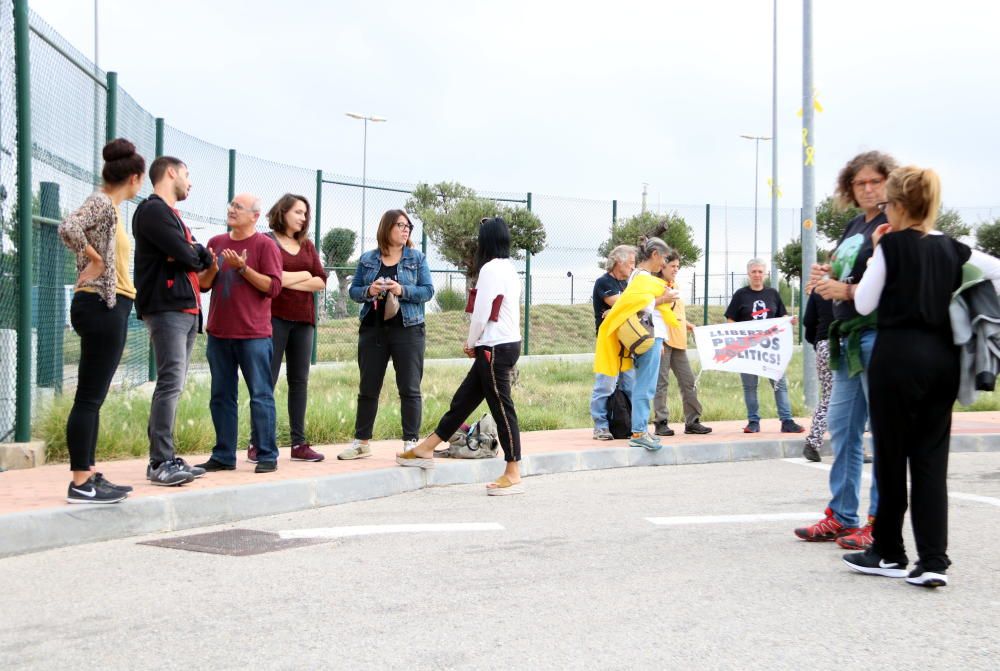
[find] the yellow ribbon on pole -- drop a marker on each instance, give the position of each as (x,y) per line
(815,104)
(775,189)
(810,155)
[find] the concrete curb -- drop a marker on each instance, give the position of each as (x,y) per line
(38,530)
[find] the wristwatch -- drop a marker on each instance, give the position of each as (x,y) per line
(243,270)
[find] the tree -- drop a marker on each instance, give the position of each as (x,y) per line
(671,228)
(950,222)
(988,237)
(832,219)
(788,260)
(338,246)
(451,213)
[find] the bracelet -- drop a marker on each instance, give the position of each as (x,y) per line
(243,270)
(851,289)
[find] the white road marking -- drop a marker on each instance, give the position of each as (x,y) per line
(730,519)
(371,529)
(976,498)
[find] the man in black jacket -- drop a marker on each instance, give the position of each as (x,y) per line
(168,300)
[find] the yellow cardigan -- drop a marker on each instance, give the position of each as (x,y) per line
(640,292)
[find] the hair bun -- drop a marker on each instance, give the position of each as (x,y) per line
(118,149)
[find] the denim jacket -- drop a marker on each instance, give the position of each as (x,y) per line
(412,273)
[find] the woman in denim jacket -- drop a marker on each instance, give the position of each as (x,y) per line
(392,283)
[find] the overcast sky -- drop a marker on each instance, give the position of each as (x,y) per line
(585,99)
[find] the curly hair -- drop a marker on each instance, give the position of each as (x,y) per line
(878,161)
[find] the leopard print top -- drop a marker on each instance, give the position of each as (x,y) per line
(94,223)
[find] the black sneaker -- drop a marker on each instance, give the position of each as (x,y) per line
(663,429)
(697,428)
(923,578)
(870,563)
(195,471)
(213,465)
(811,453)
(752,427)
(168,474)
(99,480)
(266,467)
(89,492)
(789,426)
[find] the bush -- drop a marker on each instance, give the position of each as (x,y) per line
(450,300)
(988,237)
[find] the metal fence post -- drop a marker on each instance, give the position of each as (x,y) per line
(319,250)
(614,214)
(232,176)
(527,295)
(158,150)
(22,69)
(111,115)
(708,237)
(49,361)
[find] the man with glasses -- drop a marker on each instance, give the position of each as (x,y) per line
(243,282)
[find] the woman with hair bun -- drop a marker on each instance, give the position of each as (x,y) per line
(102,301)
(914,374)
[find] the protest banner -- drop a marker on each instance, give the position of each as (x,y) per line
(758,347)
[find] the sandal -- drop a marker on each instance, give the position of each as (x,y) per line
(504,487)
(409,458)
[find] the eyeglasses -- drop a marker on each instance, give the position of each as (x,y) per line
(404,226)
(862,184)
(882,207)
(238,207)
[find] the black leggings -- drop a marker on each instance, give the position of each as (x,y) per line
(102,334)
(489,379)
(293,341)
(376,346)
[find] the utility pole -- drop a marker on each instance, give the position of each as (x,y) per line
(808,191)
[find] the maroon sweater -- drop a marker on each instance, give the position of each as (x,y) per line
(291,304)
(238,310)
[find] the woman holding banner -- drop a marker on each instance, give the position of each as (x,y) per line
(649,294)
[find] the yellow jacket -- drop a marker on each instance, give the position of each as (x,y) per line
(640,292)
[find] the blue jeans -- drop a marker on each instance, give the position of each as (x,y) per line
(846,418)
(604,386)
(780,397)
(253,358)
(647,370)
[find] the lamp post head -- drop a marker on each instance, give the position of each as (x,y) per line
(363,117)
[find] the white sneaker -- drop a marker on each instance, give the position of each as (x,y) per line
(357,450)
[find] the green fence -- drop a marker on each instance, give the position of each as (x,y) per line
(57,110)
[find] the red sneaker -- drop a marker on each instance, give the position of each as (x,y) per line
(252,454)
(861,539)
(305,452)
(827,529)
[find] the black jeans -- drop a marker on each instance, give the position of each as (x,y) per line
(489,379)
(405,346)
(102,340)
(911,423)
(292,341)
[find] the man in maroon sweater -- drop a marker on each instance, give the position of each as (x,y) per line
(243,282)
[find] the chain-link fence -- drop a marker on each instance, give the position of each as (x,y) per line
(75,107)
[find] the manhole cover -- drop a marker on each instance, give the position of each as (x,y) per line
(235,542)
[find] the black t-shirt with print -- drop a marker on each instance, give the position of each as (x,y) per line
(862,230)
(748,305)
(605,286)
(376,316)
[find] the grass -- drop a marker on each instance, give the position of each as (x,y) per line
(555,329)
(549,395)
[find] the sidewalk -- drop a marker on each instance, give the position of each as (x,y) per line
(34,514)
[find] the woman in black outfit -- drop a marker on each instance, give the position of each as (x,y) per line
(914,376)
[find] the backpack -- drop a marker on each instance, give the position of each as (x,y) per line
(620,414)
(478,442)
(636,334)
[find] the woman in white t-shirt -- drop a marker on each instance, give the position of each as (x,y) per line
(494,342)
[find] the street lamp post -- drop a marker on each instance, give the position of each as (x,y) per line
(756,155)
(364,167)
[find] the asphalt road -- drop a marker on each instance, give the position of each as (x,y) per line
(577,578)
